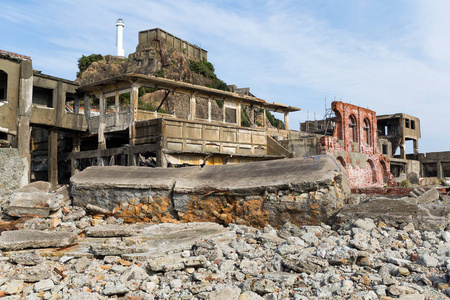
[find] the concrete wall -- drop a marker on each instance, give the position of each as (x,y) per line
(12,172)
(8,110)
(302,147)
(147,37)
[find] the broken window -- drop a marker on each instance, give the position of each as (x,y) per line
(367,131)
(353,128)
(384,149)
(407,123)
(217,110)
(413,124)
(42,96)
(3,86)
(110,105)
(230,115)
(201,108)
(72,103)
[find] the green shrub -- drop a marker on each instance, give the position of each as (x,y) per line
(245,119)
(274,121)
(206,69)
(405,183)
(85,61)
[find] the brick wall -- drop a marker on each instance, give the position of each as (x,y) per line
(355,144)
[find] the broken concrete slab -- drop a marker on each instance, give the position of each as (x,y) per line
(110,230)
(430,196)
(135,192)
(393,212)
(42,186)
(35,200)
(35,203)
(23,239)
(304,191)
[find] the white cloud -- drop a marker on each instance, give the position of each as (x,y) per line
(281,49)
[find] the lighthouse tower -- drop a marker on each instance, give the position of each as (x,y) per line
(119,26)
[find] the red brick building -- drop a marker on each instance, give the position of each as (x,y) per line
(355,145)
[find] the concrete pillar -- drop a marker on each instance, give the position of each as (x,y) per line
(416,148)
(209,109)
(286,120)
(440,171)
(192,105)
(23,118)
(76,105)
(238,114)
(53,158)
(117,108)
(60,103)
(402,152)
(75,148)
(87,106)
(252,115)
(264,118)
(101,122)
(134,95)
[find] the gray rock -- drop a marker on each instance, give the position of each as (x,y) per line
(427,260)
(35,203)
(84,296)
(30,258)
(119,289)
(109,230)
(226,292)
(82,264)
(22,239)
(43,285)
(249,295)
(430,196)
(15,287)
(365,224)
(34,274)
(74,214)
(288,279)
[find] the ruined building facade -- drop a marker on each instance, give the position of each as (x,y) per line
(355,145)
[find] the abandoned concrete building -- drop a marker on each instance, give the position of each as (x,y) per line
(61,127)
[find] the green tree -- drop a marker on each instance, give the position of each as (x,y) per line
(85,61)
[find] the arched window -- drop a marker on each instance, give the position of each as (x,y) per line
(367,131)
(353,125)
(341,160)
(371,170)
(3,86)
(338,128)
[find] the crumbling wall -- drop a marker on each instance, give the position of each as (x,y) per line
(355,145)
(304,191)
(12,171)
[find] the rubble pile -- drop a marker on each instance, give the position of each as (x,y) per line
(360,259)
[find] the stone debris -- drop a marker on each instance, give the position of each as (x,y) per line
(109,231)
(357,259)
(36,199)
(23,239)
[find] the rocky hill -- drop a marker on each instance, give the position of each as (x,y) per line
(164,61)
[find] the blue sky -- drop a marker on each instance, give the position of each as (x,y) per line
(390,56)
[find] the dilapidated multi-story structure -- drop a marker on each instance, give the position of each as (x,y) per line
(60,127)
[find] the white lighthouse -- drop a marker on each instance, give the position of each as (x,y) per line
(119,26)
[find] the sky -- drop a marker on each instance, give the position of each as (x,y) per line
(388,56)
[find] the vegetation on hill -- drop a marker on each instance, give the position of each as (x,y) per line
(85,61)
(206,69)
